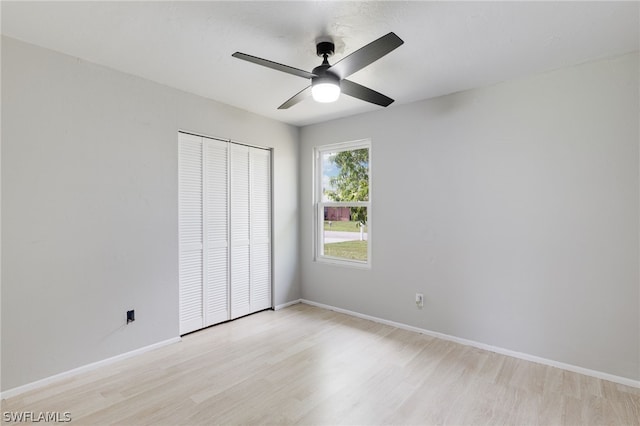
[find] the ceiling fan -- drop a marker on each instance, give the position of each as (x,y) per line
(328,81)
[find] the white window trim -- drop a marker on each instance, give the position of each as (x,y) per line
(319,205)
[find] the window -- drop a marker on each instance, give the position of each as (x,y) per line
(343,203)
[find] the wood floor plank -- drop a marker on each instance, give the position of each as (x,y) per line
(309,366)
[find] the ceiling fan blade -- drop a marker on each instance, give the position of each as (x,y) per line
(364,93)
(298,97)
(274,65)
(366,55)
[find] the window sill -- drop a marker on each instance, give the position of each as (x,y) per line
(341,262)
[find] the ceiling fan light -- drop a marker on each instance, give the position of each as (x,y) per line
(325,90)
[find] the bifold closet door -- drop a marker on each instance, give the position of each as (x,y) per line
(203,232)
(250,230)
(224,231)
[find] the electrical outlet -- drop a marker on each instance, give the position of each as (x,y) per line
(131,316)
(419,300)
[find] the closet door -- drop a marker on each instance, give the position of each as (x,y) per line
(190,232)
(260,232)
(216,230)
(240,231)
(224,231)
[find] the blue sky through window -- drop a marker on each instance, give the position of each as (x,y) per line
(329,170)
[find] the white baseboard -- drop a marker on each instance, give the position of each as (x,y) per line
(573,368)
(83,369)
(287,304)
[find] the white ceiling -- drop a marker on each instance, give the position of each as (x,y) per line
(449,46)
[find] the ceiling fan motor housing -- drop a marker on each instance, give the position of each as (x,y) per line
(325,85)
(324,75)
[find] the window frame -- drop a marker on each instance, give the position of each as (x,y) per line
(319,205)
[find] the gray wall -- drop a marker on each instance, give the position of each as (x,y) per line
(89,208)
(514,208)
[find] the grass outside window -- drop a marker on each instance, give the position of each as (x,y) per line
(351,250)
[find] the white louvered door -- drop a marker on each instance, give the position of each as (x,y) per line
(216,230)
(260,232)
(225,231)
(190,232)
(240,236)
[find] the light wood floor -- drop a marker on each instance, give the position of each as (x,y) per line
(305,365)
